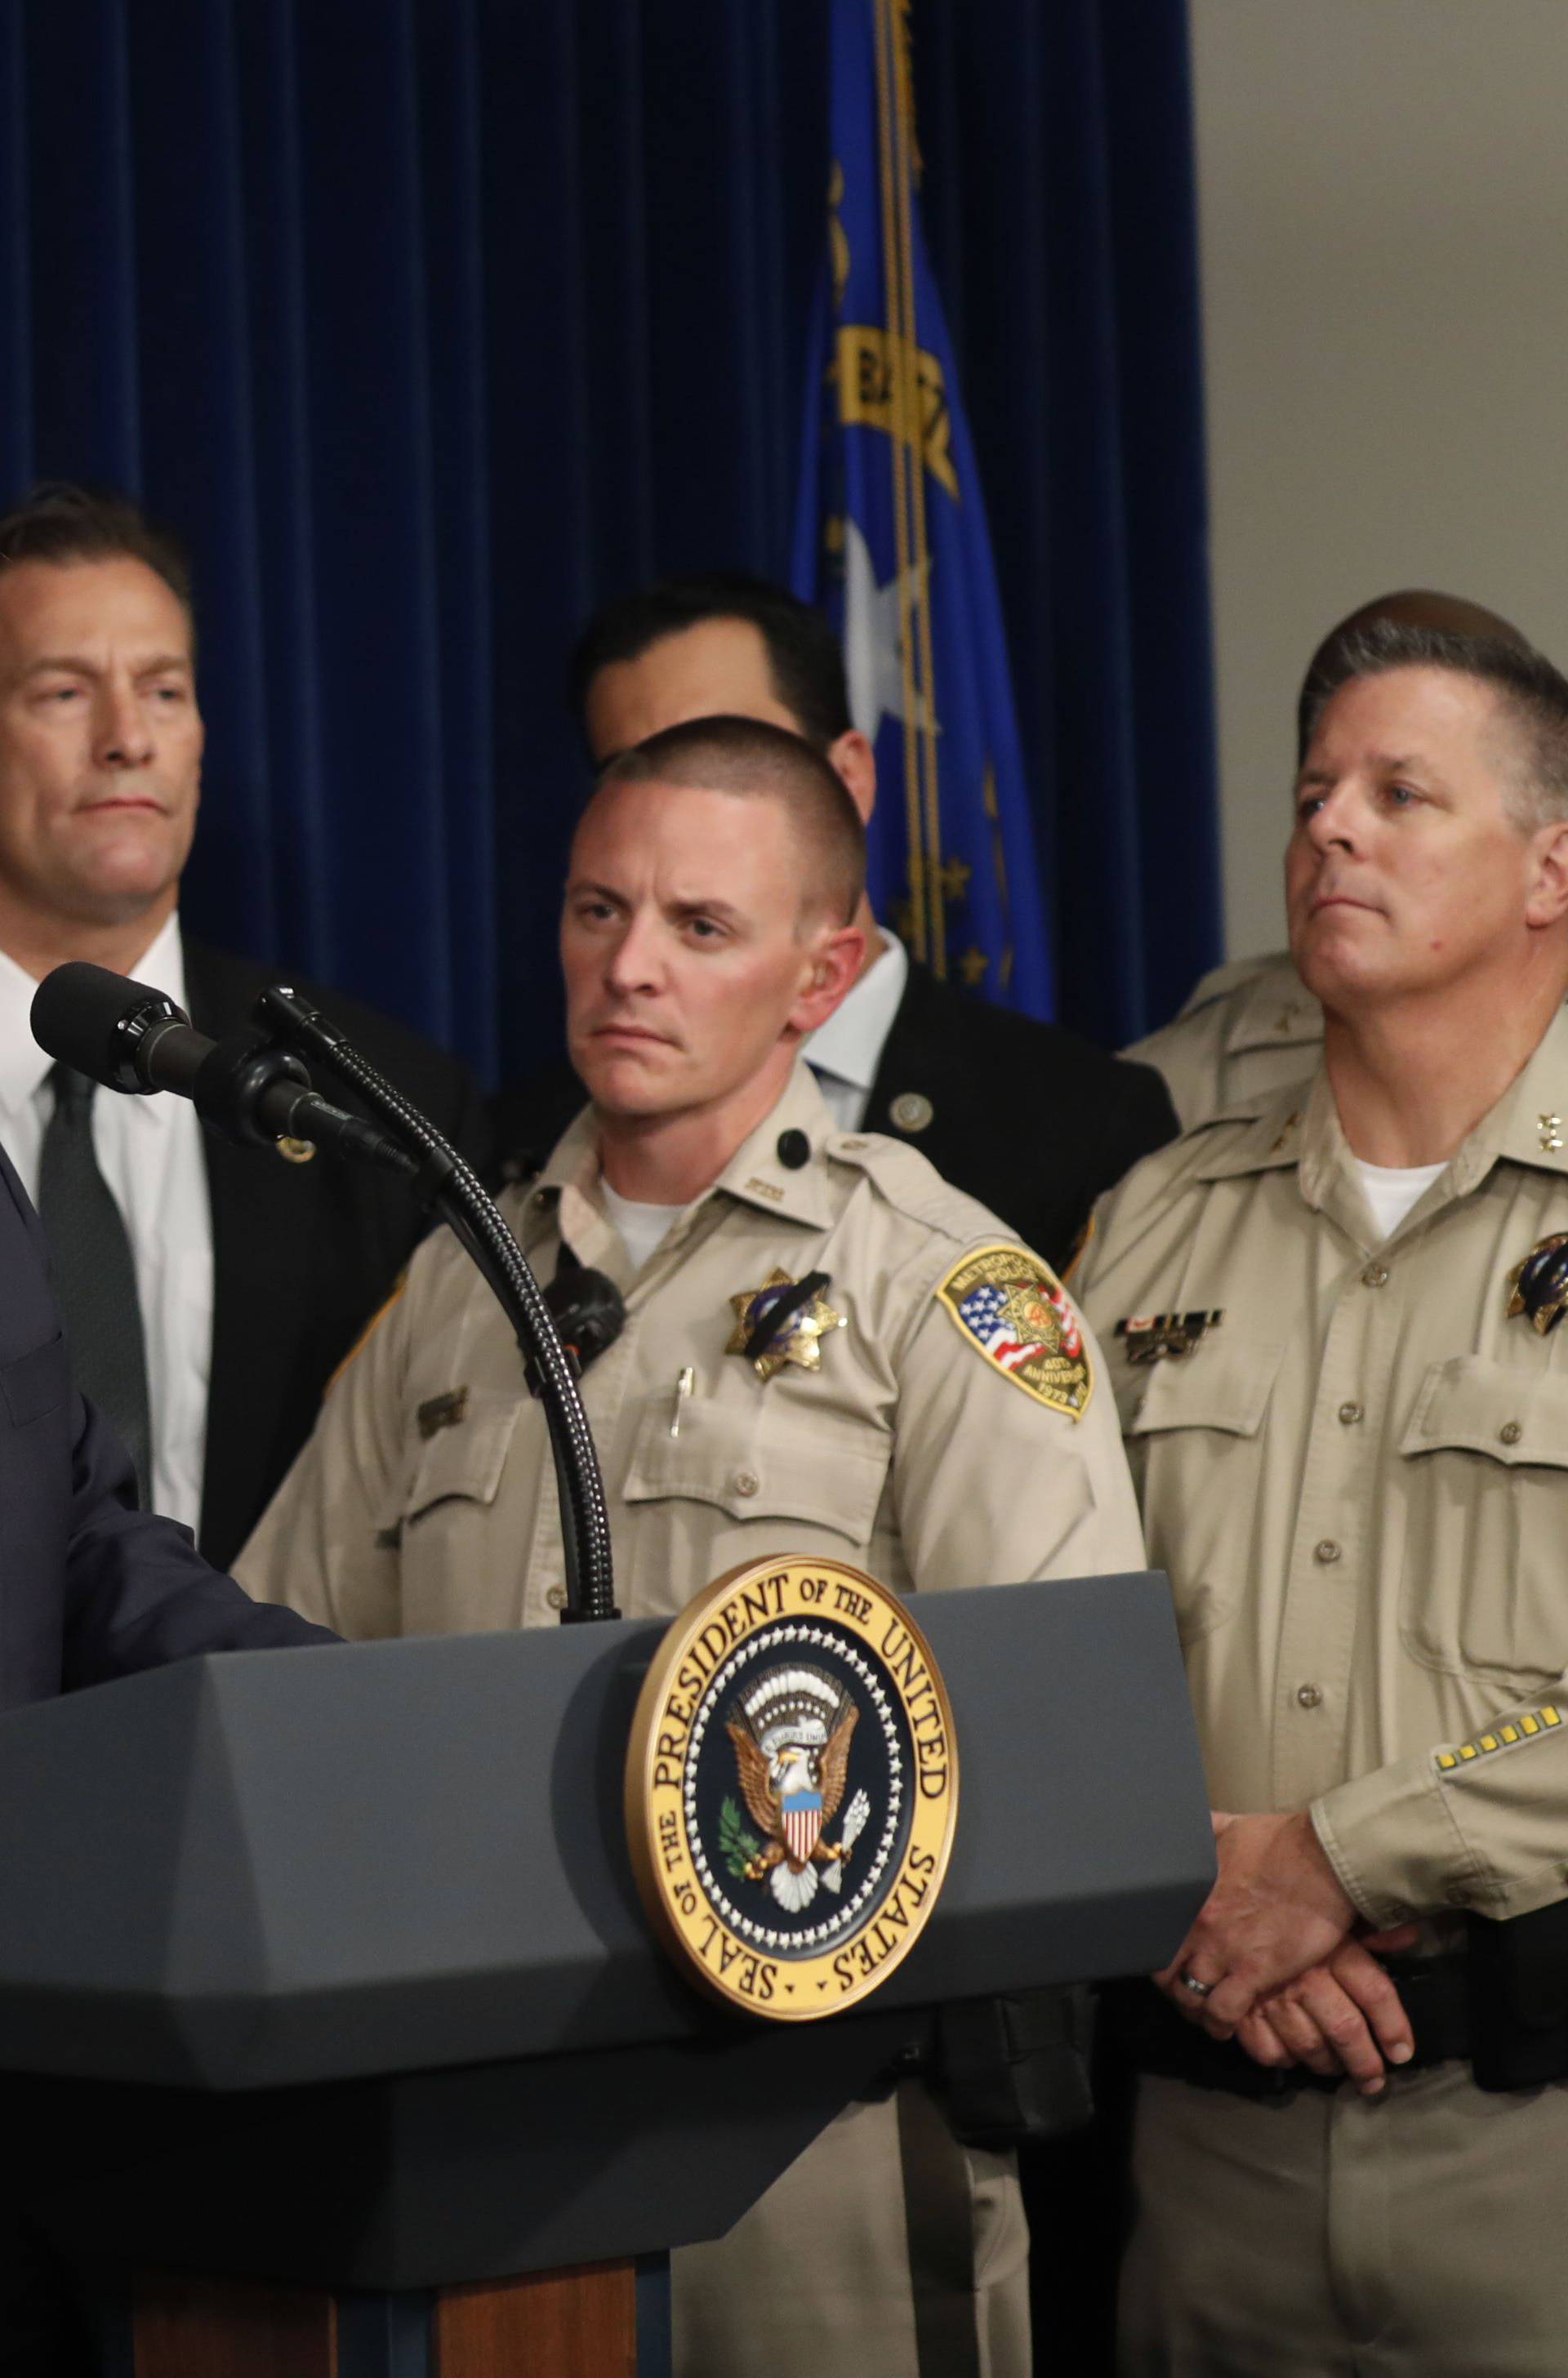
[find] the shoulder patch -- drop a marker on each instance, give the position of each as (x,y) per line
(1015,1313)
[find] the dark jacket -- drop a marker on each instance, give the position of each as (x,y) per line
(90,1588)
(302,1253)
(1027,1117)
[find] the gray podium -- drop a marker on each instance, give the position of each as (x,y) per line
(325,1970)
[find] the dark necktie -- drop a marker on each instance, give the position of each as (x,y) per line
(94,1272)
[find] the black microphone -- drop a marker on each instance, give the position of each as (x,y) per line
(125,1036)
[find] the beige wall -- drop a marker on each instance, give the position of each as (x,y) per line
(1383,192)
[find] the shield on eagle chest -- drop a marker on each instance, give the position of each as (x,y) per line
(802,1823)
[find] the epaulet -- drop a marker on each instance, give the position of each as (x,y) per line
(1235,1111)
(911,1184)
(1222,980)
(1166,1171)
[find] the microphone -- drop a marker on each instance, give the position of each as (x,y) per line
(128,1037)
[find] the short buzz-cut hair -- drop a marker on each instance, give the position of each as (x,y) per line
(1531,693)
(60,523)
(752,760)
(804,658)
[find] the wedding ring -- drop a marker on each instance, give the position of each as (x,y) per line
(1199,1990)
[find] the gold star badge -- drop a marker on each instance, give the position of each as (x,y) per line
(1538,1286)
(804,1320)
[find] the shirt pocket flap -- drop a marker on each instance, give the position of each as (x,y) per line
(1470,1405)
(464,1458)
(774,1465)
(1223,1383)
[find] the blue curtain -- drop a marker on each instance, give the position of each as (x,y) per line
(434,322)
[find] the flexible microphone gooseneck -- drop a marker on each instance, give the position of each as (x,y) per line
(446,1180)
(128,1037)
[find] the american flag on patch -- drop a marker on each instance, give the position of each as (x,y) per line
(982,1311)
(802,1823)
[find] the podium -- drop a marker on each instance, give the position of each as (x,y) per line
(327,1997)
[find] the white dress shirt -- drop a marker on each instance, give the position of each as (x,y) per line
(148,1150)
(846,1052)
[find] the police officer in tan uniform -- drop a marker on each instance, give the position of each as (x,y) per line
(1330,1321)
(1253,1026)
(928,1411)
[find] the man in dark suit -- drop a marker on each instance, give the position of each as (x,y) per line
(302,1255)
(91,1589)
(209,1326)
(1026,1117)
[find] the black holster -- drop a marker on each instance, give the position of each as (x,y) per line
(1009,2069)
(1518,1970)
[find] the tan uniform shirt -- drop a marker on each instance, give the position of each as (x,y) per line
(1249,1027)
(1357,1479)
(425,1502)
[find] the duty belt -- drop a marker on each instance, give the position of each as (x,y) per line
(1143,2029)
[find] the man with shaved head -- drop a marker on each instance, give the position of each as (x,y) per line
(905,1051)
(1253,1026)
(710,926)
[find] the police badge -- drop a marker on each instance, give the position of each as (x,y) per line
(791,1787)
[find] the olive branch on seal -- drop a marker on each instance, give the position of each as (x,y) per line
(737,1847)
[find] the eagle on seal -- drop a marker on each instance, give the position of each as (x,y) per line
(792,1732)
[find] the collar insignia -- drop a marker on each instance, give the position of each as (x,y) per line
(783,1321)
(1150,1337)
(1538,1286)
(1550,1129)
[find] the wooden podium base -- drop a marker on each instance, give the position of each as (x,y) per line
(601,2320)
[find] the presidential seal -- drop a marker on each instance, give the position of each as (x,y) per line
(791,1787)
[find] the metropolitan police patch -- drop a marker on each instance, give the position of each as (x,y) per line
(1013,1309)
(791,1786)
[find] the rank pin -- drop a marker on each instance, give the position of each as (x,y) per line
(1151,1336)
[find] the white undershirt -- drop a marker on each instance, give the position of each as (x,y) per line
(845,1055)
(148,1150)
(1390,1190)
(641,1228)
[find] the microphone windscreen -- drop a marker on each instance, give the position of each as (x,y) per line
(93,1021)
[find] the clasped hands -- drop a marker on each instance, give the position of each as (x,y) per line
(1290,1971)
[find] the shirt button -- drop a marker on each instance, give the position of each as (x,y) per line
(1350,1414)
(1375,1276)
(556,1596)
(1309,1695)
(1325,1551)
(746,1482)
(1511,1431)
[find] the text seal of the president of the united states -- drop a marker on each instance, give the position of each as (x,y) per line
(791,1786)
